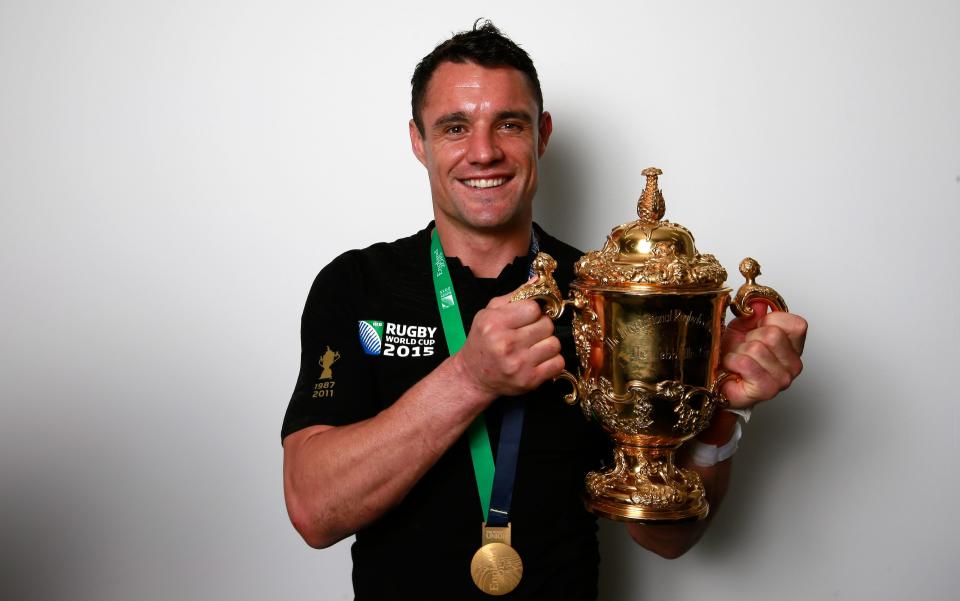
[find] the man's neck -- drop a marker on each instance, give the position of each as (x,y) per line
(485,253)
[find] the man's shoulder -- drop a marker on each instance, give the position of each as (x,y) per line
(385,256)
(381,265)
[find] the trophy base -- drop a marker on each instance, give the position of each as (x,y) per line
(644,485)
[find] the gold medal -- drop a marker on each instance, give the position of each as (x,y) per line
(496,567)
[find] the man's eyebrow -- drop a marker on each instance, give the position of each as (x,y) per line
(461,117)
(517,115)
(457,117)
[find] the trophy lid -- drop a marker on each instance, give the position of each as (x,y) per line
(650,252)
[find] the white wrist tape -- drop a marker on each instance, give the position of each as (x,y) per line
(707,455)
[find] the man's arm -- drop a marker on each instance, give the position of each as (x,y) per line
(671,540)
(339,479)
(764,350)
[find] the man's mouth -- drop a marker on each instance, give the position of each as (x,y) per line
(485,182)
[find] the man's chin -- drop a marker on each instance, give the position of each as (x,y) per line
(498,224)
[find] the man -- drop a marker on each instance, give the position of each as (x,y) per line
(376,443)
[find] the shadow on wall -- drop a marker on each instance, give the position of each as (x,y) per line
(792,423)
(46,552)
(785,427)
(560,207)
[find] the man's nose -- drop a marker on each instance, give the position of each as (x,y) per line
(484,147)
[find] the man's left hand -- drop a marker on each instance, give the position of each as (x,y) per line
(764,350)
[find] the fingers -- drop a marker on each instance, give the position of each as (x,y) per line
(767,359)
(521,323)
(511,348)
(546,350)
(773,349)
(499,301)
(524,347)
(794,326)
(549,369)
(525,370)
(761,379)
(745,324)
(517,313)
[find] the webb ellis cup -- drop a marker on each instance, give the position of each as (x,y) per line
(648,317)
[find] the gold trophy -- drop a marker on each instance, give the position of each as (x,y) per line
(648,317)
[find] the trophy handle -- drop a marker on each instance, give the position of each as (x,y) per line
(750,292)
(545,290)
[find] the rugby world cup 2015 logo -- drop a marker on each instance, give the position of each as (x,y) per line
(371,336)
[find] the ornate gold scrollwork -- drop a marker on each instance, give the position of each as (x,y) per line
(664,268)
(586,328)
(630,412)
(693,417)
(649,485)
(573,396)
(544,288)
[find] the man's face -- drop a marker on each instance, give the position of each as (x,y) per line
(481,145)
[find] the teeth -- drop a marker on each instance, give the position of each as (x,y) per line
(485,183)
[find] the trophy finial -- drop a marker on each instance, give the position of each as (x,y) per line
(651,207)
(750,269)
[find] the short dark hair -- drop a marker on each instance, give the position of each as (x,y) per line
(483,45)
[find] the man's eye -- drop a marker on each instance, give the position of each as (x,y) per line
(455,130)
(510,126)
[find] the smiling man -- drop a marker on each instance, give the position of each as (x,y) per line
(424,419)
(480,133)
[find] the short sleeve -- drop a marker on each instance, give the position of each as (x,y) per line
(333,387)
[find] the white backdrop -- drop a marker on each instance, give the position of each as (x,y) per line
(173,174)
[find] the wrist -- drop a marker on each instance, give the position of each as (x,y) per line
(720,430)
(720,440)
(470,387)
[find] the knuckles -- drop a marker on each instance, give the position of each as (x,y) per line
(784,379)
(511,347)
(755,349)
(511,366)
(770,335)
(738,363)
(767,357)
(528,308)
(796,368)
(758,384)
(793,326)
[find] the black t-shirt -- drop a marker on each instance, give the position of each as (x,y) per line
(371,329)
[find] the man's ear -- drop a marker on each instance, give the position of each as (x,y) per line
(416,142)
(546,128)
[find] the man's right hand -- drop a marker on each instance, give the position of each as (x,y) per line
(510,350)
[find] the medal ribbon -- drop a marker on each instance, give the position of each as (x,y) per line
(494,485)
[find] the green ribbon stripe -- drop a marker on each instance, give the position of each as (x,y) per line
(452,322)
